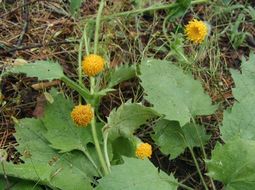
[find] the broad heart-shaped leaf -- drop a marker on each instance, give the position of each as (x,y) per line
(44,70)
(127,118)
(44,164)
(121,74)
(234,164)
(137,174)
(62,133)
(173,139)
(175,94)
(239,121)
(244,83)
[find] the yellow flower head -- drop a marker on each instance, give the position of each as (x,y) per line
(196,31)
(82,115)
(143,150)
(92,64)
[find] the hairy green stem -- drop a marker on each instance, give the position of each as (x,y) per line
(94,132)
(184,186)
(106,151)
(84,92)
(170,42)
(86,41)
(92,90)
(198,169)
(79,64)
(97,145)
(203,151)
(151,8)
(98,19)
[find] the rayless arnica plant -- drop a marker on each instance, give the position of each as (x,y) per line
(70,147)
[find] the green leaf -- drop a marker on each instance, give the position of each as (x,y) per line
(44,70)
(121,74)
(122,146)
(74,5)
(234,164)
(180,10)
(127,118)
(45,165)
(184,3)
(177,46)
(173,139)
(244,83)
(62,133)
(16,184)
(239,121)
(175,94)
(137,174)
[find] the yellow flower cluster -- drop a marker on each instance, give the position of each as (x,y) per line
(82,115)
(92,64)
(196,31)
(143,150)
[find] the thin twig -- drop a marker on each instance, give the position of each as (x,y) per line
(26,19)
(10,12)
(37,46)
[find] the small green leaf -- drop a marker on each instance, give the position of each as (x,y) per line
(121,74)
(44,70)
(137,174)
(3,155)
(75,5)
(175,94)
(180,10)
(184,3)
(234,164)
(48,97)
(173,139)
(127,118)
(239,121)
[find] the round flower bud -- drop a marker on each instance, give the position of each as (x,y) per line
(92,65)
(196,31)
(82,115)
(143,150)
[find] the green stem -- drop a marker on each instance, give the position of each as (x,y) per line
(97,145)
(84,92)
(169,41)
(100,10)
(184,186)
(86,41)
(151,8)
(92,90)
(203,151)
(106,151)
(198,169)
(92,161)
(79,64)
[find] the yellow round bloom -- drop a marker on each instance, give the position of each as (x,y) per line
(82,115)
(92,64)
(143,150)
(196,31)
